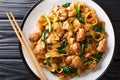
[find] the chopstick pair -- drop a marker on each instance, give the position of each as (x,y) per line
(25,45)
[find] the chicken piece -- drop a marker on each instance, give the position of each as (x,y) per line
(88,55)
(68,60)
(102,46)
(75,49)
(76,62)
(40,47)
(71,40)
(73,61)
(52,38)
(35,35)
(92,65)
(58,29)
(49,40)
(60,13)
(80,35)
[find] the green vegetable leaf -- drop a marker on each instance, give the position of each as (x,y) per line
(49,23)
(63,43)
(97,57)
(66,5)
(94,58)
(82,49)
(98,28)
(43,38)
(48,61)
(83,46)
(68,70)
(90,37)
(103,30)
(61,23)
(61,48)
(87,62)
(79,17)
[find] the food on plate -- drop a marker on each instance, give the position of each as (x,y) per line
(70,40)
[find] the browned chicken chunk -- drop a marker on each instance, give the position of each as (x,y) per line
(35,35)
(88,55)
(59,12)
(73,61)
(75,49)
(68,60)
(80,35)
(102,46)
(40,47)
(71,40)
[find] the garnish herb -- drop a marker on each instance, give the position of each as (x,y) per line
(43,37)
(83,46)
(68,70)
(98,28)
(66,5)
(61,48)
(102,30)
(49,23)
(78,15)
(87,62)
(48,61)
(90,37)
(97,58)
(61,23)
(63,43)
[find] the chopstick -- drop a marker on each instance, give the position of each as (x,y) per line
(26,46)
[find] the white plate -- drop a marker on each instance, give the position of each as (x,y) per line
(29,24)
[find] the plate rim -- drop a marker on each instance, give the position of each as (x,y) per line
(20,46)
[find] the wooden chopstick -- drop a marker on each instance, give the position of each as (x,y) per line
(25,45)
